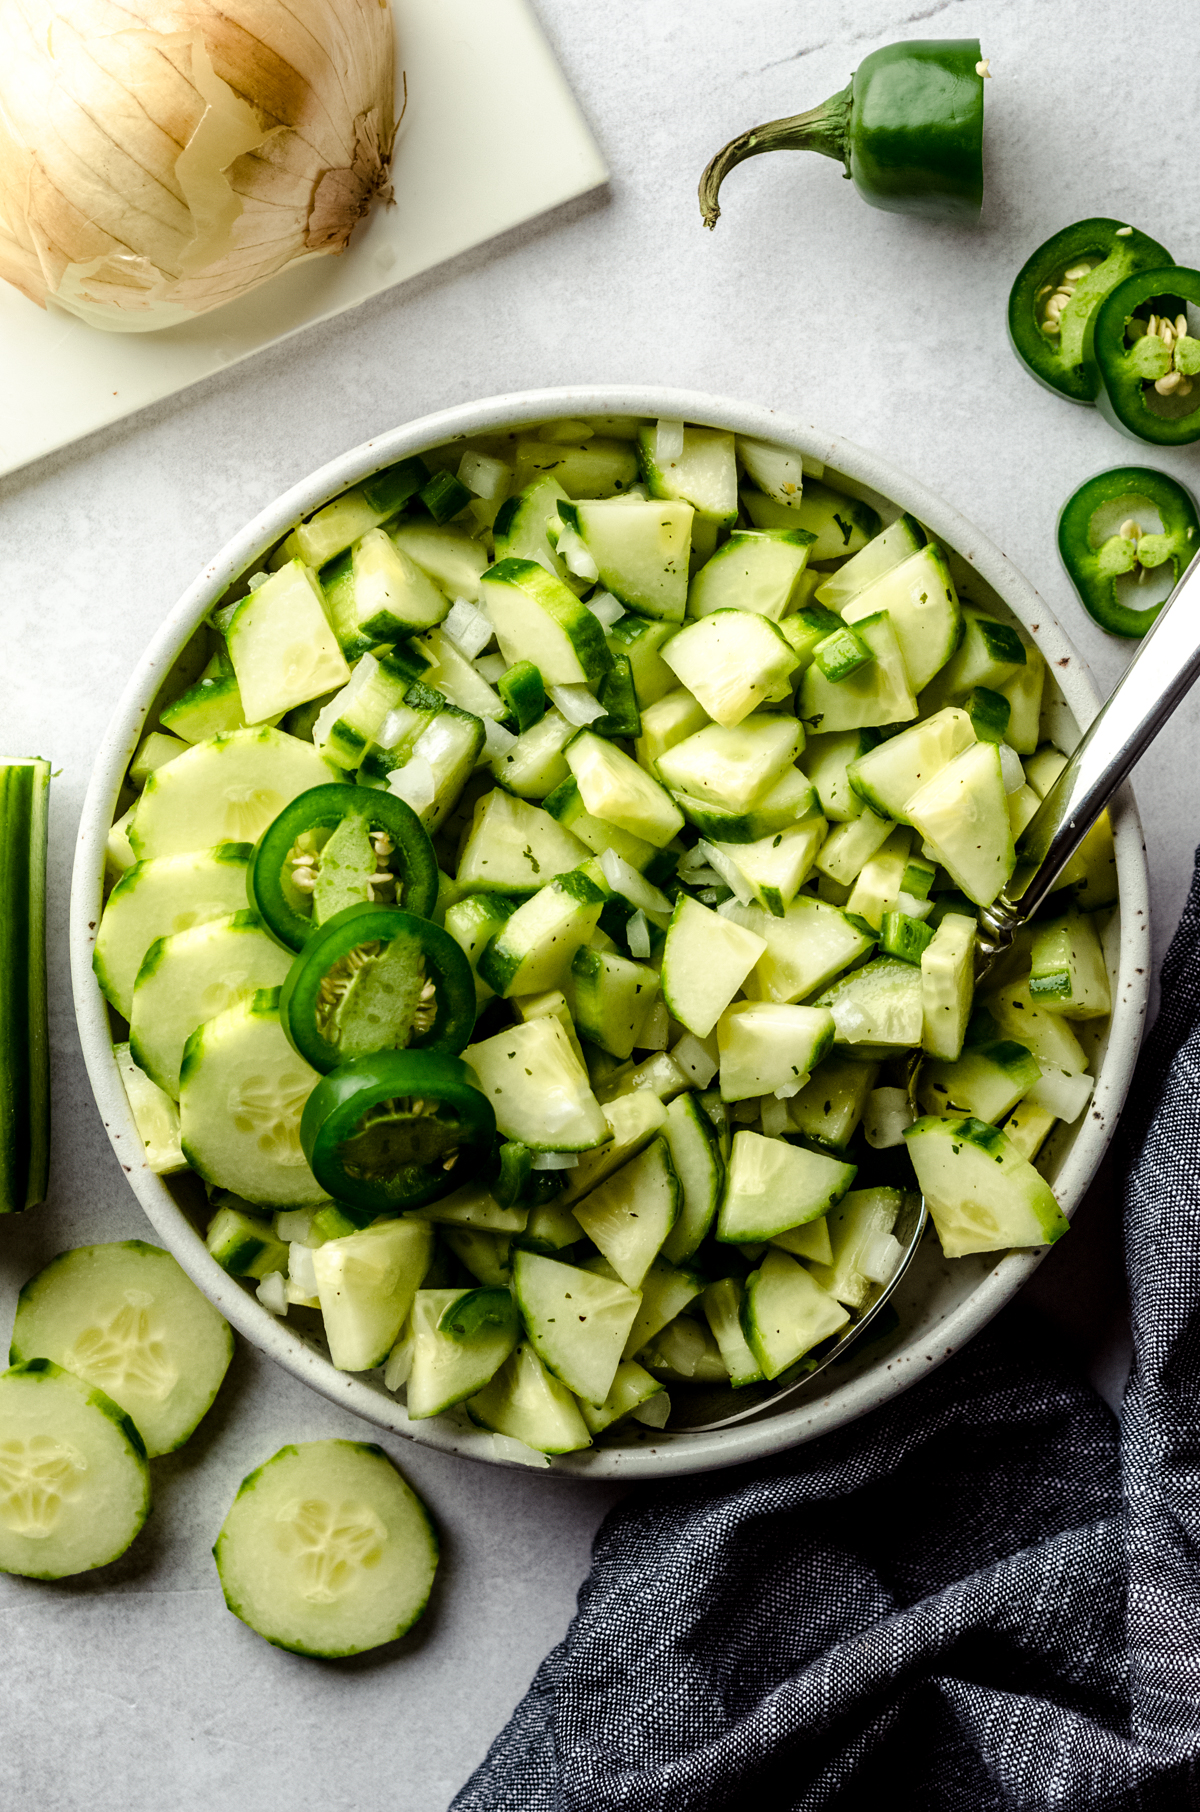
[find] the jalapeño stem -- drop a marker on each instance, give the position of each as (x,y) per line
(822,129)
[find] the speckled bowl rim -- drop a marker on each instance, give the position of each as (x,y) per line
(664,1455)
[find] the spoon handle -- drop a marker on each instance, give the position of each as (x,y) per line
(1159,677)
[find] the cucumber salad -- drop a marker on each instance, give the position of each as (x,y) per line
(540,891)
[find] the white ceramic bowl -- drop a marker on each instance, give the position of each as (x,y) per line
(941,1305)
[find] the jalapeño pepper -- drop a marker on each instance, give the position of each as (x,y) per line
(339,846)
(373,978)
(1147,360)
(396,1130)
(1102,536)
(1058,291)
(909,130)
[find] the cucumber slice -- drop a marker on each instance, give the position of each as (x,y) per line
(948,986)
(565,805)
(641,640)
(535,766)
(155,1115)
(696,1160)
(366,1283)
(962,813)
(777,471)
(863,1246)
(791,799)
(722,1303)
(487,1256)
(451,558)
(785,1313)
(577,1323)
(447,751)
(1024,695)
(805,949)
(732,662)
(630,1214)
(473,923)
(886,777)
(920,599)
(1028,1127)
(703,472)
(879,1004)
(1069,974)
(640,549)
(598,466)
(1017,1015)
(756,570)
(538,619)
(668,721)
(515,847)
(526,1403)
(457,678)
(613,787)
(851,845)
(242,1089)
(538,1088)
(809,1241)
(772,870)
(211,705)
(773,1186)
(326,1551)
(766,1046)
(879,693)
(632,1387)
(226,790)
(982,1195)
(733,768)
(282,646)
(705,961)
(160,899)
(551,1003)
(243,1245)
(631,1121)
(533,950)
(461,1338)
(74,1484)
(1022,809)
(393,596)
(612,998)
(833,1101)
(189,978)
(990,654)
(842,525)
(883,552)
(522,522)
(128,1321)
(472,1206)
(986,1082)
(550,1229)
(666,1291)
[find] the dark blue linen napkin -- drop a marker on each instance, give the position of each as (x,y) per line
(984,1596)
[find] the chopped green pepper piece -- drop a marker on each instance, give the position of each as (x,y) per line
(1100,538)
(1147,359)
(1054,301)
(909,130)
(617,695)
(989,713)
(842,653)
(523,691)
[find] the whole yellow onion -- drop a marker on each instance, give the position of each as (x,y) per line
(160,157)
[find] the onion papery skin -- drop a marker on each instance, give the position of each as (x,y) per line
(161,157)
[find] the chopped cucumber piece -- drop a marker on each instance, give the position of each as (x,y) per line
(962,813)
(1028,1127)
(577,1323)
(668,721)
(705,961)
(879,693)
(702,472)
(666,1292)
(641,640)
(986,1082)
(755,570)
(777,471)
(632,1389)
(533,949)
(346,727)
(885,551)
(723,1307)
(878,1004)
(773,1186)
(809,1241)
(452,559)
(766,1046)
(631,1121)
(1017,1015)
(948,986)
(520,529)
(226,790)
(526,1403)
(539,619)
(989,713)
(393,596)
(733,767)
(366,1283)
(983,1196)
(487,1256)
(785,1313)
(598,466)
(684,1352)
(772,870)
(244,1245)
(565,804)
(732,662)
(75,1487)
(1023,693)
(805,949)
(515,847)
(1069,974)
(696,1160)
(127,1320)
(326,1551)
(282,646)
(791,799)
(212,704)
(864,1250)
(612,998)
(904,936)
(472,1206)
(538,1088)
(641,550)
(851,845)
(922,605)
(880,881)
(989,654)
(630,1214)
(833,1101)
(613,787)
(886,777)
(155,1115)
(460,1338)
(473,923)
(454,676)
(536,766)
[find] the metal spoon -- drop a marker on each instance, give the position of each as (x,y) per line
(1161,674)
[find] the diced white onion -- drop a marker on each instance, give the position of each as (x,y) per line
(728,873)
(602,604)
(515,1453)
(484,476)
(887,1117)
(491,667)
(786,1090)
(497,741)
(694,1060)
(774,1116)
(301,1270)
(272,1293)
(399,1363)
(469,628)
(414,783)
(577,704)
(880,1257)
(573,549)
(637,934)
(655,1412)
(294,1223)
(255,580)
(624,879)
(668,442)
(1062,1093)
(693,858)
(554,1160)
(915,909)
(1011,768)
(389,732)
